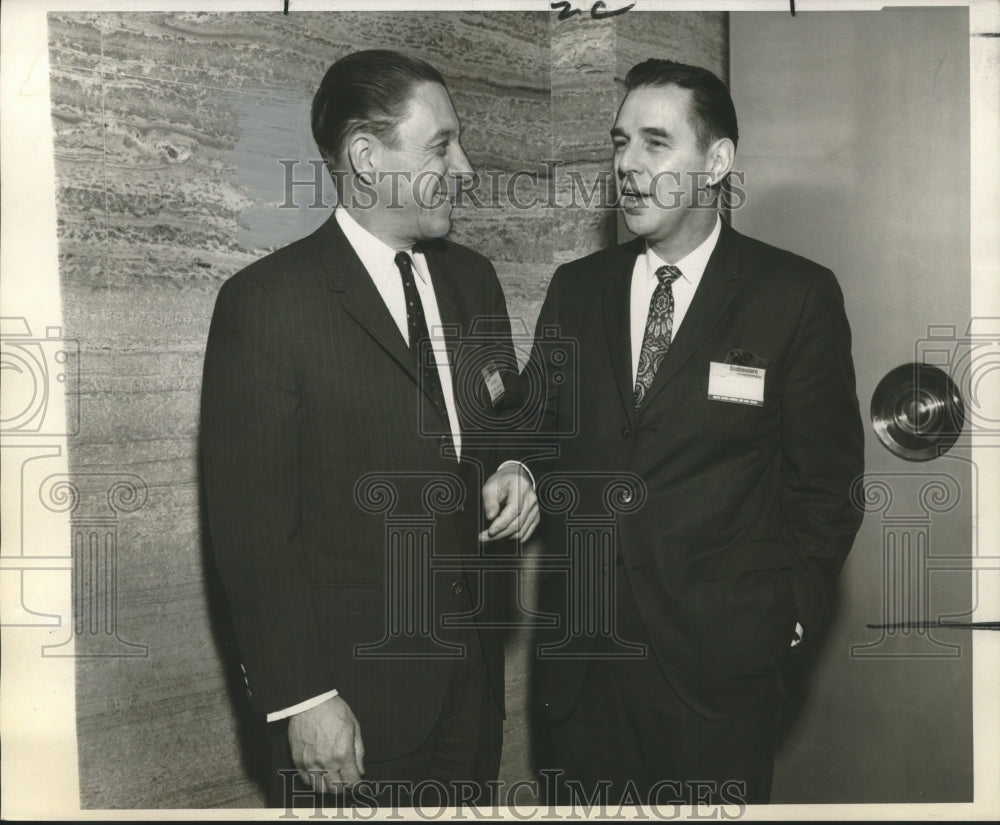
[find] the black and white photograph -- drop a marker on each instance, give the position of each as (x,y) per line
(489,410)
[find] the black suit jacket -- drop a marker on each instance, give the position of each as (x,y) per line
(319,451)
(742,515)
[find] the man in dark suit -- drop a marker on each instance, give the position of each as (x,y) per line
(351,383)
(709,407)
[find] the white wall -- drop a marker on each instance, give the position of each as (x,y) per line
(855,144)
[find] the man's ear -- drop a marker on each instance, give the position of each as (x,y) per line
(720,157)
(362,150)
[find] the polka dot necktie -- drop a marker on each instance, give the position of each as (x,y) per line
(656,339)
(423,355)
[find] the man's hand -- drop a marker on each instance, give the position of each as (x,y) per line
(328,738)
(509,488)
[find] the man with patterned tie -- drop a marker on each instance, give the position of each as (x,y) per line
(711,390)
(342,455)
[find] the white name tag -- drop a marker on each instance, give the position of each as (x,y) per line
(736,384)
(494,383)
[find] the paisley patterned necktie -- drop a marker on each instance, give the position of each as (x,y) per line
(656,339)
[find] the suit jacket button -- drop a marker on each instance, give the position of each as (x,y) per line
(457,587)
(626,432)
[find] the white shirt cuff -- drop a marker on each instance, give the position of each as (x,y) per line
(522,466)
(800,634)
(308,704)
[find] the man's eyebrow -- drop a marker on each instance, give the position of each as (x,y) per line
(655,131)
(645,131)
(440,134)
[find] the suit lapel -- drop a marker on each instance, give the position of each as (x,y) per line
(718,287)
(616,299)
(453,312)
(347,276)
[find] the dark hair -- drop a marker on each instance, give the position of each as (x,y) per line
(365,90)
(712,110)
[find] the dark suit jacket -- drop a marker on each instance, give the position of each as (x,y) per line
(743,517)
(309,388)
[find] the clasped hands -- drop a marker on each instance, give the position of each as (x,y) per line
(509,504)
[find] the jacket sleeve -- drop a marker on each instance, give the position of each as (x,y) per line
(822,444)
(496,352)
(250,467)
(538,394)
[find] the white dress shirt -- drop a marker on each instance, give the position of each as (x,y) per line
(644,281)
(379,259)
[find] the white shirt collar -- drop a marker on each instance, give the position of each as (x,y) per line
(692,265)
(377,256)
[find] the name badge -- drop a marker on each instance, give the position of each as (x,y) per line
(736,384)
(494,383)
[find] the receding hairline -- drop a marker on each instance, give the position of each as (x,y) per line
(412,104)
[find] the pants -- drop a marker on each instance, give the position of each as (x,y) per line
(461,754)
(631,739)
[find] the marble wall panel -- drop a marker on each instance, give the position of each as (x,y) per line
(583,59)
(151,117)
(74,42)
(698,38)
(168,131)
